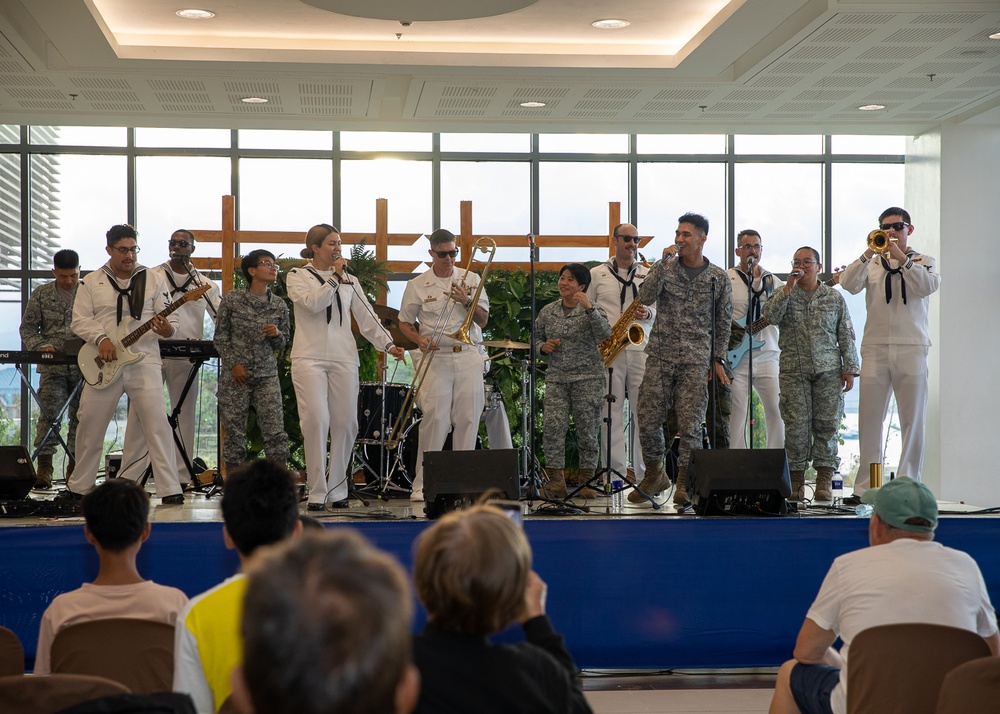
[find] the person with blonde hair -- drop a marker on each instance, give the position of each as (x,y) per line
(325,361)
(473,574)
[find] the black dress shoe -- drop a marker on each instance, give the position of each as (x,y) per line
(175,500)
(338,504)
(67,495)
(852,500)
(316,507)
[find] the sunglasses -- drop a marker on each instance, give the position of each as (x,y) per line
(628,239)
(178,243)
(897,226)
(445,253)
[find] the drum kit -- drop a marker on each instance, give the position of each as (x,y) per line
(380,404)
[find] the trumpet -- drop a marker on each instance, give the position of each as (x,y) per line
(879,242)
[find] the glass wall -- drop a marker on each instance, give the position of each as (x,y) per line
(823,191)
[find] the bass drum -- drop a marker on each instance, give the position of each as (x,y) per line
(371,429)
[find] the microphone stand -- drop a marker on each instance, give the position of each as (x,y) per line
(749,335)
(528,438)
(715,376)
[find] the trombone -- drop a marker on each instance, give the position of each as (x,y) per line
(462,334)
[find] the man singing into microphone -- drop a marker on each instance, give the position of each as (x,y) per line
(818,363)
(180,277)
(684,286)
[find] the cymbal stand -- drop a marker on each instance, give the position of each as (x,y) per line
(383,478)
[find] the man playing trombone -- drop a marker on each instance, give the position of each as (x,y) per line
(451,389)
(898,283)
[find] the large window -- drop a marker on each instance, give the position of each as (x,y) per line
(824,191)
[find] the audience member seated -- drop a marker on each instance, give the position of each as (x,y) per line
(326,629)
(259,507)
(473,574)
(116,516)
(903,577)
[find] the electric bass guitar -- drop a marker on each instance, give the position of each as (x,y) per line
(100,374)
(735,356)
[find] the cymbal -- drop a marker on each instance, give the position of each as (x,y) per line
(507,344)
(389,317)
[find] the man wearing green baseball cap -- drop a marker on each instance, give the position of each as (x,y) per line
(864,588)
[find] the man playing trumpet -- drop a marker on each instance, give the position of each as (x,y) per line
(898,283)
(451,393)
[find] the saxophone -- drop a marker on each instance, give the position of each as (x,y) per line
(626,331)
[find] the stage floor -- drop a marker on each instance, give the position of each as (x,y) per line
(644,589)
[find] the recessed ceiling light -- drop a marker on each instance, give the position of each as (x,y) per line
(973,53)
(610,24)
(995,36)
(253,100)
(532,105)
(871,107)
(195,14)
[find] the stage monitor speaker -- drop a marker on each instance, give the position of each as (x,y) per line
(17,473)
(739,482)
(456,479)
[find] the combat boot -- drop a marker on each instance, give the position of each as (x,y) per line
(584,477)
(555,487)
(43,471)
(681,498)
(653,482)
(798,479)
(824,479)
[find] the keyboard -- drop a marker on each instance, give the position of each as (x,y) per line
(26,507)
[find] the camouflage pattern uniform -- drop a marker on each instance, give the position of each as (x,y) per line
(574,382)
(816,337)
(238,340)
(679,354)
(720,411)
(46,323)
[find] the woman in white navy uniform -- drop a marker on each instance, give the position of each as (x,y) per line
(325,361)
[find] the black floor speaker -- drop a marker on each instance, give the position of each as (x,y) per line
(456,479)
(17,473)
(739,482)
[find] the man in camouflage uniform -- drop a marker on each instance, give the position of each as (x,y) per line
(680,351)
(251,327)
(45,326)
(818,363)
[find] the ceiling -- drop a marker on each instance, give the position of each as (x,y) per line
(681,66)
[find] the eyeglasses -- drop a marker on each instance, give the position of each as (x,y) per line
(178,243)
(134,250)
(628,239)
(897,226)
(445,253)
(266,264)
(751,246)
(807,262)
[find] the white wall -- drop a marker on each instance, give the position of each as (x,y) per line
(953,195)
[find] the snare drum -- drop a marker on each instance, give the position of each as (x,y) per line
(371,430)
(494,400)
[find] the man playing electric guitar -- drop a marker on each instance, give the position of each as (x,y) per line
(105,302)
(749,295)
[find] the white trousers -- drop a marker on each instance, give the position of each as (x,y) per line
(887,370)
(629,368)
(327,393)
(143,382)
(451,395)
(135,455)
(765,382)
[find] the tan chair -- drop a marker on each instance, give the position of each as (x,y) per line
(11,653)
(47,694)
(971,688)
(899,668)
(137,653)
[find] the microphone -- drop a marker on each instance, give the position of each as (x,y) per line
(795,274)
(181,257)
(751,261)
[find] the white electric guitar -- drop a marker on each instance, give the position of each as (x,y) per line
(100,374)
